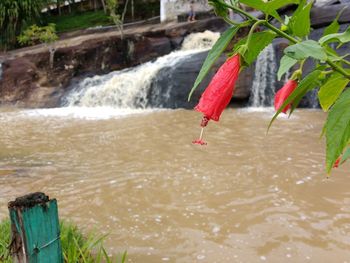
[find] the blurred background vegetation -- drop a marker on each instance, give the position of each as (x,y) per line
(16,16)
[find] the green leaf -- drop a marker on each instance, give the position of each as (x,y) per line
(331,90)
(277,4)
(300,21)
(262,6)
(285,64)
(213,55)
(308,83)
(269,7)
(337,129)
(258,42)
(345,156)
(337,37)
(305,49)
(334,26)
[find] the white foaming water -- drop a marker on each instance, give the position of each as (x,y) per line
(263,88)
(202,41)
(129,88)
(87,113)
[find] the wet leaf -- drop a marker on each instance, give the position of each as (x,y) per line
(337,37)
(330,91)
(305,49)
(285,64)
(258,42)
(261,5)
(269,7)
(332,28)
(300,22)
(337,129)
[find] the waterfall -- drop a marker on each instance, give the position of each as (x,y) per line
(129,88)
(263,88)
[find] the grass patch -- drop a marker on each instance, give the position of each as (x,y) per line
(76,247)
(75,21)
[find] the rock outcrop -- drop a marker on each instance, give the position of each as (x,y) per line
(172,86)
(28,81)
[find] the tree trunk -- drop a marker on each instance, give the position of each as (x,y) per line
(104,6)
(95,5)
(59,7)
(132,10)
(122,20)
(52,50)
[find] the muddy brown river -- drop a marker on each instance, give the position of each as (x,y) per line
(245,197)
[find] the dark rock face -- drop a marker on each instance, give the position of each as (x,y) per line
(17,73)
(322,16)
(172,86)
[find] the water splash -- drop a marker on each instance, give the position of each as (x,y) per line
(129,88)
(264,83)
(202,40)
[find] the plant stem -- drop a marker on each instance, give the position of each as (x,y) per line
(240,11)
(282,34)
(231,22)
(252,29)
(345,61)
(337,68)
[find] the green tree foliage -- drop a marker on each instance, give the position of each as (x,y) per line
(15,15)
(330,73)
(35,35)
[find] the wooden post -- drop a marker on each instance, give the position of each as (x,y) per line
(35,230)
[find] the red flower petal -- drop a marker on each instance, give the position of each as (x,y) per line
(337,162)
(199,141)
(284,93)
(220,90)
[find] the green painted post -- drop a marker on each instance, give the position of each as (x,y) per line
(35,230)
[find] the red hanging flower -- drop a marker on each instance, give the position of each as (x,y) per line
(337,162)
(220,90)
(218,93)
(284,93)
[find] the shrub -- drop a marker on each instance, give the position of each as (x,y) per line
(35,35)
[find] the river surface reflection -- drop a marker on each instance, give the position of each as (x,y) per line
(245,197)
